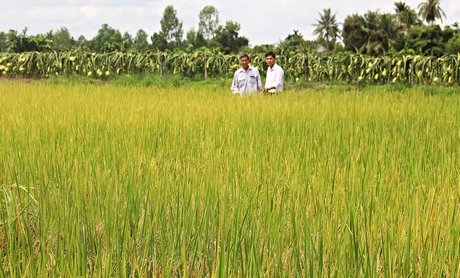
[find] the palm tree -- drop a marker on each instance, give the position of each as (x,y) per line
(430,11)
(370,25)
(388,32)
(382,32)
(353,35)
(327,27)
(406,16)
(401,7)
(455,26)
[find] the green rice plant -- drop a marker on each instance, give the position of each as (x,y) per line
(124,181)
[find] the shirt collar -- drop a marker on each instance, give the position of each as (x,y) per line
(249,69)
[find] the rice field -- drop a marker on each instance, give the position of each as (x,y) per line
(114,181)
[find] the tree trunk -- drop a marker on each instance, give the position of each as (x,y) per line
(205,67)
(161,65)
(358,72)
(389,73)
(412,72)
(305,70)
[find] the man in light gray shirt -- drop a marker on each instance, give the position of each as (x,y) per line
(275,75)
(247,78)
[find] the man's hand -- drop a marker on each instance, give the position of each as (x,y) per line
(268,89)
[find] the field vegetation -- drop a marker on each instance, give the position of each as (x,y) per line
(343,68)
(115,180)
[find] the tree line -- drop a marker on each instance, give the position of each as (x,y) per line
(373,33)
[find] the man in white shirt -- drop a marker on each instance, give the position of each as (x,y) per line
(247,78)
(275,75)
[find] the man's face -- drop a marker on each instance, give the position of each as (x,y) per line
(244,62)
(270,60)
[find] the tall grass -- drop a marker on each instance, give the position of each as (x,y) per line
(110,181)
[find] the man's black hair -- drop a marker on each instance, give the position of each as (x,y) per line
(244,54)
(270,53)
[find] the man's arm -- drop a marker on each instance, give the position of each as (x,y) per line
(234,87)
(266,89)
(259,82)
(277,79)
(280,80)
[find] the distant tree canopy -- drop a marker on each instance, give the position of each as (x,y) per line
(228,39)
(209,22)
(195,39)
(375,33)
(140,42)
(4,43)
(430,40)
(23,43)
(171,27)
(105,40)
(295,43)
(62,40)
(372,33)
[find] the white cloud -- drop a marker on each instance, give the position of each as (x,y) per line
(261,21)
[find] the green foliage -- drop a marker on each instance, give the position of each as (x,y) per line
(63,41)
(108,47)
(307,66)
(430,10)
(294,44)
(82,44)
(374,33)
(105,40)
(386,35)
(140,41)
(145,181)
(448,33)
(258,49)
(227,38)
(171,27)
(23,43)
(196,39)
(159,41)
(453,45)
(209,22)
(327,27)
(406,16)
(455,26)
(354,36)
(4,43)
(127,42)
(427,40)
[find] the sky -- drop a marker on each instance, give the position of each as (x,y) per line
(262,21)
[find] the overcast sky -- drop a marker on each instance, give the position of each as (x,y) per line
(262,21)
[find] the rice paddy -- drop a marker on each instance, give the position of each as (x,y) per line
(124,181)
